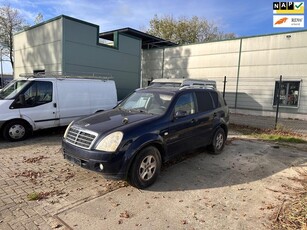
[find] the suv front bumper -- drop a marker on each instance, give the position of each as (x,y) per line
(109,164)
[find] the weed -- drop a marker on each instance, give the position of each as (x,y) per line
(33,196)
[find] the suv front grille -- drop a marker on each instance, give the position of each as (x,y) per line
(80,137)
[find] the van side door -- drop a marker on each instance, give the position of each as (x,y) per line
(39,104)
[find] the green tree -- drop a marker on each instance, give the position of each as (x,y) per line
(186,30)
(10,23)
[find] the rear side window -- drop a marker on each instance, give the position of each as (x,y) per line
(204,101)
(215,98)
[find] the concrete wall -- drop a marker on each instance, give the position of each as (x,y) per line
(82,53)
(252,65)
(39,48)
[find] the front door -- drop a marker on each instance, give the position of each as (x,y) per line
(183,130)
(40,105)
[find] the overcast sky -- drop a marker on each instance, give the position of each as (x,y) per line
(242,17)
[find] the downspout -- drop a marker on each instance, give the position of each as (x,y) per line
(238,74)
(63,46)
(162,75)
(140,70)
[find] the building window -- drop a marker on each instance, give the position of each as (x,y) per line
(110,40)
(289,93)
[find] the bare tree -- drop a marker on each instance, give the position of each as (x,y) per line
(10,23)
(186,30)
(39,18)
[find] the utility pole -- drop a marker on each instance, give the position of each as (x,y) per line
(1,82)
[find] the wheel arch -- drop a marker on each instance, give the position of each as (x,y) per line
(29,126)
(155,143)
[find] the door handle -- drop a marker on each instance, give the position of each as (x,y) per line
(54,105)
(193,121)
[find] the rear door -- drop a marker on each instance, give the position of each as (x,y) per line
(206,117)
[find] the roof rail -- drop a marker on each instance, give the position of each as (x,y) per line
(197,87)
(80,75)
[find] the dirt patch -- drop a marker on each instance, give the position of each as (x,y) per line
(292,212)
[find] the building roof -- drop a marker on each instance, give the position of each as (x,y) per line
(148,41)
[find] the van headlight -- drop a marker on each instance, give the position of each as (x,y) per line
(110,142)
(66,131)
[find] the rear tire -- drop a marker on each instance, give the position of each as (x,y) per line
(218,142)
(16,131)
(145,168)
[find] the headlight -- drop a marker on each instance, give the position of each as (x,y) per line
(66,131)
(110,142)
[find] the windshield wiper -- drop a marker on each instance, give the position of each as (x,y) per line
(138,110)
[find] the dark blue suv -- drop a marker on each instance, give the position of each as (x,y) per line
(148,128)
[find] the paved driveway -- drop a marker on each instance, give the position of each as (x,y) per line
(234,190)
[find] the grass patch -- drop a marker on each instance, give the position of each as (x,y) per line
(279,135)
(280,138)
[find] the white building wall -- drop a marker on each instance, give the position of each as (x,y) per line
(39,48)
(252,65)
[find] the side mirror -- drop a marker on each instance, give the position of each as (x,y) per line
(180,114)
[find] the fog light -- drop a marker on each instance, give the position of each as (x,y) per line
(101,166)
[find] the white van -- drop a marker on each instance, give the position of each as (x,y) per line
(181,82)
(33,103)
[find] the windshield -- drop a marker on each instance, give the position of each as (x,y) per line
(12,89)
(147,102)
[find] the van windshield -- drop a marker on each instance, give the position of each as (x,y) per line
(12,89)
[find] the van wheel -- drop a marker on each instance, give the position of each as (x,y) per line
(16,131)
(218,142)
(145,168)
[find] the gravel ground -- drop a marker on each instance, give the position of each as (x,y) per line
(239,189)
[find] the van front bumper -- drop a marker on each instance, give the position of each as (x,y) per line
(109,164)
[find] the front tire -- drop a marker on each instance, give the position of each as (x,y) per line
(16,131)
(218,142)
(145,168)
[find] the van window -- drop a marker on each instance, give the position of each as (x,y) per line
(12,89)
(40,92)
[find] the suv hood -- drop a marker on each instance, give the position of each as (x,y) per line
(113,119)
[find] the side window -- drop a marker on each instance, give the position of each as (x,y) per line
(216,99)
(186,104)
(204,101)
(39,93)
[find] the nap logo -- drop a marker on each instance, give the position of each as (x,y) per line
(288,7)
